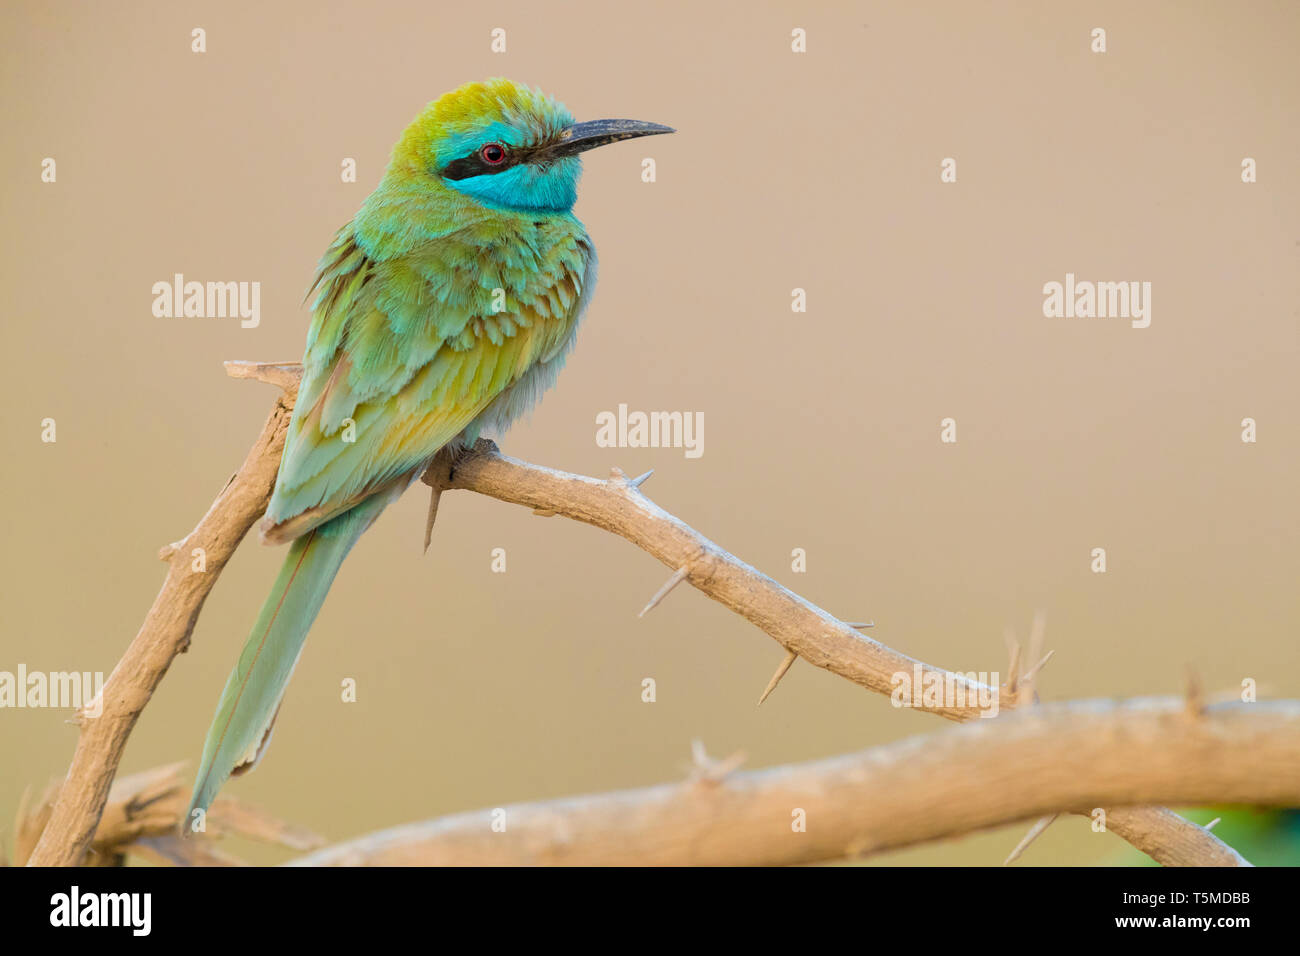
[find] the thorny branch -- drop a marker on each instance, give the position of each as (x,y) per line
(616,505)
(1076,755)
(143,816)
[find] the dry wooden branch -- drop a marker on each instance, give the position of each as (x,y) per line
(144,813)
(1070,756)
(807,631)
(164,634)
(618,505)
(615,505)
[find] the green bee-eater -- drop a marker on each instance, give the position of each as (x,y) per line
(445,308)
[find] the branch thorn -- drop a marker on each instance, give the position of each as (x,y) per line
(1033,671)
(435,493)
(678,577)
(708,771)
(1195,696)
(1034,833)
(1013,668)
(781,668)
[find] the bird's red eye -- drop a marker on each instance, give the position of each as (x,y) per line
(494,154)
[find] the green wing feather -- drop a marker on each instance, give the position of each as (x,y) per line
(403,355)
(406,352)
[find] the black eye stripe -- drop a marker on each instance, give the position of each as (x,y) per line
(474,165)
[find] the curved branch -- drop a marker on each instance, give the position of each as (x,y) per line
(803,629)
(164,634)
(1071,756)
(143,817)
(616,505)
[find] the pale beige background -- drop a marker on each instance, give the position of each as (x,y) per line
(818,171)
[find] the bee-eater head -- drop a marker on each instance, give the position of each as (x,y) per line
(506,145)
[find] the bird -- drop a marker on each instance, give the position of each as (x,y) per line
(443,310)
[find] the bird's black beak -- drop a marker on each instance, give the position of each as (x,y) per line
(584,136)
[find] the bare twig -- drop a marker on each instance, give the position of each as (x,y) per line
(143,813)
(1168,838)
(166,630)
(615,505)
(618,506)
(1051,758)
(799,626)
